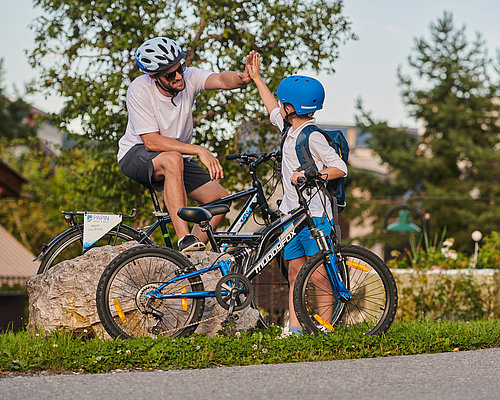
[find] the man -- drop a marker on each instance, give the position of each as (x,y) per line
(156,147)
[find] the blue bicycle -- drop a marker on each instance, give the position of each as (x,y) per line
(154,291)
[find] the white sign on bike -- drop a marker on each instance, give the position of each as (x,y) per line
(96,225)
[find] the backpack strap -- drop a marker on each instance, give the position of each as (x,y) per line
(284,134)
(302,145)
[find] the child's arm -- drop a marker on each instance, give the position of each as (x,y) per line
(334,166)
(267,97)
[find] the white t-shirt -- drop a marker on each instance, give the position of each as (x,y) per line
(150,111)
(323,156)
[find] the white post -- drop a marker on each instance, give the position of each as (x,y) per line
(476,236)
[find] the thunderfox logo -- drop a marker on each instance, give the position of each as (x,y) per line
(283,240)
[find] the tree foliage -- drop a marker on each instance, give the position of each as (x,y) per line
(453,168)
(13,114)
(85,53)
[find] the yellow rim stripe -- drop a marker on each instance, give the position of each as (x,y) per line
(184,300)
(359,266)
(323,322)
(119,310)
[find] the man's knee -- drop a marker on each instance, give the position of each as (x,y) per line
(169,162)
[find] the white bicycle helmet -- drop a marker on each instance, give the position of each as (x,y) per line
(158,54)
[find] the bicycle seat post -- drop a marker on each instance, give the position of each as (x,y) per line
(162,217)
(206,227)
(154,197)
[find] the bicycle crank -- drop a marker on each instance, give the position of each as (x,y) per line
(234,292)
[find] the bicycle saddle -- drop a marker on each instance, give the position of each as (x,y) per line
(201,214)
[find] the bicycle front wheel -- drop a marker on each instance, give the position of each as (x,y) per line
(70,244)
(372,307)
(127,304)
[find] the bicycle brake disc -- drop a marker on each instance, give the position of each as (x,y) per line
(234,289)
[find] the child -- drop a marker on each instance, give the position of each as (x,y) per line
(299,97)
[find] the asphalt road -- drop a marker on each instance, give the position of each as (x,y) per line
(459,375)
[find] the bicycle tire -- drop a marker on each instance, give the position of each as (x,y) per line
(70,244)
(374,294)
(121,295)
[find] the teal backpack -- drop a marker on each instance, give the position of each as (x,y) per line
(337,140)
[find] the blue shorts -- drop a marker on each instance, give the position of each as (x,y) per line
(303,244)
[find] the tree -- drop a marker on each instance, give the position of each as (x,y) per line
(453,168)
(85,53)
(12,115)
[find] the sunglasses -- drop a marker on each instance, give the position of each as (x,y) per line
(171,75)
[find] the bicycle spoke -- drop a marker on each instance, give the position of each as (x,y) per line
(133,283)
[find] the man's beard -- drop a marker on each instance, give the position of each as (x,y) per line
(172,88)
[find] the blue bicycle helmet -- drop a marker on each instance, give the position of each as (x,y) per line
(305,94)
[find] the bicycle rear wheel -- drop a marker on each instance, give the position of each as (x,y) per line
(374,295)
(70,244)
(125,305)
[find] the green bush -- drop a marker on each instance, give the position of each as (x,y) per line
(441,296)
(430,291)
(489,252)
(439,254)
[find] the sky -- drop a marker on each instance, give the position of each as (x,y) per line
(366,68)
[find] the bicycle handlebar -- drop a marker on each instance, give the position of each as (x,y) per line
(233,156)
(252,158)
(310,176)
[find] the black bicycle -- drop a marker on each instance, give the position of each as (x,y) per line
(69,244)
(271,288)
(154,291)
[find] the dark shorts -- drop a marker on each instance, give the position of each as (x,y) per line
(137,164)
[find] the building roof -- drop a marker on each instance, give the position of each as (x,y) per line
(16,262)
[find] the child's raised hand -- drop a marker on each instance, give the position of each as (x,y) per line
(253,63)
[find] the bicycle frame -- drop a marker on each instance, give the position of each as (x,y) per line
(246,211)
(292,224)
(256,198)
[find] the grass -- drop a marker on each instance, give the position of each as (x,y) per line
(62,352)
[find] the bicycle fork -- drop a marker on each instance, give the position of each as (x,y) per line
(325,245)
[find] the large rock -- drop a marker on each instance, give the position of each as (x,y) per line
(64,297)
